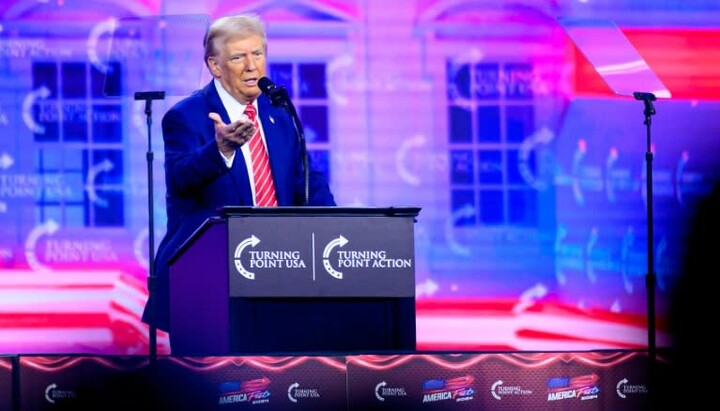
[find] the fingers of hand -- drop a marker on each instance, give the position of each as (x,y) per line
(234,134)
(216,118)
(240,130)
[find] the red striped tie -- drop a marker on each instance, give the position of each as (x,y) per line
(264,186)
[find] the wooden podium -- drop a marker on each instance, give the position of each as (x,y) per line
(289,280)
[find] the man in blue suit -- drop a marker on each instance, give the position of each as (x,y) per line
(207,161)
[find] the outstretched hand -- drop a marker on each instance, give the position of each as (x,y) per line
(231,136)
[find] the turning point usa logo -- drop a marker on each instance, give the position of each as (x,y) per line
(53,394)
(259,259)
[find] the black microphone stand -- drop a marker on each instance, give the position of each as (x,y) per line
(149,96)
(650,279)
(279,98)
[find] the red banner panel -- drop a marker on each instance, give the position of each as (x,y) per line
(6,383)
(83,383)
(537,381)
(414,382)
(238,383)
(687,61)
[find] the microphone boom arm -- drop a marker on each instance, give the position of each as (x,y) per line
(303,146)
(279,98)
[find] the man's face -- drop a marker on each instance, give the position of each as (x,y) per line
(239,64)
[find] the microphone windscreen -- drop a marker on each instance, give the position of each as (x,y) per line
(266,85)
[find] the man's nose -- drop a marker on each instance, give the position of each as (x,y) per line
(250,64)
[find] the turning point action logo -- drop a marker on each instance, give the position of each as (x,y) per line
(358,258)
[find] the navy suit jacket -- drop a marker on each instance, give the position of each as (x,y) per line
(198,182)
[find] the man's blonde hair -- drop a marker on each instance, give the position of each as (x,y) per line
(224,28)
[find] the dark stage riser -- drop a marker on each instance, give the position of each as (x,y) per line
(607,380)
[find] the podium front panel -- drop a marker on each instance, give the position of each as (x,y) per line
(296,281)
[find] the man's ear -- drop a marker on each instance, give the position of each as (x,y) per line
(213,66)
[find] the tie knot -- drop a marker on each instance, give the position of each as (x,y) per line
(250,112)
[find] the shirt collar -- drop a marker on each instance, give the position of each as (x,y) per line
(233,107)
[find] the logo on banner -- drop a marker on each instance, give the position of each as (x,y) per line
(498,390)
(623,388)
(439,389)
(262,259)
(382,391)
(252,392)
(52,394)
(295,392)
(335,259)
(585,387)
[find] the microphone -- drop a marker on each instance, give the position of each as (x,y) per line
(278,96)
(647,98)
(640,95)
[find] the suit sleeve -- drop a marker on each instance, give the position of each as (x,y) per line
(192,159)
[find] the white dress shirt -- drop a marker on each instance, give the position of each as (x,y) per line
(236,111)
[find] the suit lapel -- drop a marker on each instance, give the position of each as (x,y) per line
(214,103)
(239,169)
